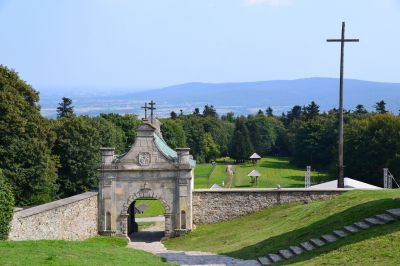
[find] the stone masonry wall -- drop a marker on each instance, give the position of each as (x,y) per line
(212,206)
(73,218)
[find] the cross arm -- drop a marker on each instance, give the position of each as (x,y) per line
(340,40)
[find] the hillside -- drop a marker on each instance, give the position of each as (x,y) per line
(281,95)
(279,227)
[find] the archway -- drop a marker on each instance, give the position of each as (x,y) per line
(146,215)
(128,215)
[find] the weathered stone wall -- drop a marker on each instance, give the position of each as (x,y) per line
(73,218)
(211,206)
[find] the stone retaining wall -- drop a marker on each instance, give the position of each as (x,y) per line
(215,205)
(73,218)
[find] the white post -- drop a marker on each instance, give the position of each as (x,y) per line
(385,178)
(307,177)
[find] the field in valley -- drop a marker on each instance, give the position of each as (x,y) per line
(274,171)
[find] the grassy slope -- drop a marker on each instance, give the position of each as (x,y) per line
(377,246)
(275,170)
(202,171)
(95,251)
(155,208)
(275,228)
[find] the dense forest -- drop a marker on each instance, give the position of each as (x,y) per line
(44,159)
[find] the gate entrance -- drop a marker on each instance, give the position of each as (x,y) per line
(150,169)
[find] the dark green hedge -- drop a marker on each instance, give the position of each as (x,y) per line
(6,206)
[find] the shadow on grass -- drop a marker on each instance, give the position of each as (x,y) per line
(324,226)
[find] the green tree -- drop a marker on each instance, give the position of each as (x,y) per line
(380,107)
(263,133)
(65,108)
(269,111)
(173,133)
(210,149)
(360,109)
(241,147)
(25,141)
(77,145)
(173,115)
(127,122)
(6,206)
(294,113)
(371,144)
(311,111)
(210,111)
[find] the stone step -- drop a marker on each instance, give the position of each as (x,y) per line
(286,253)
(329,238)
(340,233)
(362,225)
(351,229)
(385,217)
(307,246)
(265,261)
(394,213)
(374,221)
(275,257)
(317,242)
(296,250)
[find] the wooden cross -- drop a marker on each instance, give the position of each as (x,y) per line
(145,110)
(342,40)
(152,108)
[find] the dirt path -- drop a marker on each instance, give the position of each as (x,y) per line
(150,240)
(230,172)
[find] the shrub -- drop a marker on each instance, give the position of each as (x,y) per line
(6,206)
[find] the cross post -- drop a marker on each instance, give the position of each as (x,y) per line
(145,110)
(342,40)
(152,108)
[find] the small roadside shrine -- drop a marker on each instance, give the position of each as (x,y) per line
(254,158)
(254,177)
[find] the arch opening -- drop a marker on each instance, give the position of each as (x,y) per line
(146,219)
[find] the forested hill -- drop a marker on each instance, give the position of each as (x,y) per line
(240,98)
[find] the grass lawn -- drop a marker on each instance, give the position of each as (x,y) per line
(95,251)
(271,229)
(202,171)
(144,225)
(274,171)
(155,208)
(377,246)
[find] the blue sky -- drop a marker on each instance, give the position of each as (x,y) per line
(86,44)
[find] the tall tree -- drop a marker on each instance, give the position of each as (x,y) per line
(127,122)
(360,109)
(294,113)
(311,111)
(380,107)
(6,206)
(173,115)
(65,108)
(269,111)
(241,147)
(210,149)
(173,133)
(209,110)
(25,141)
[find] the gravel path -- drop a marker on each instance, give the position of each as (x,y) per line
(150,241)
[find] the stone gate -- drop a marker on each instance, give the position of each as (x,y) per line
(149,169)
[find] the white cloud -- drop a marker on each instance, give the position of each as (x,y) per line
(272,3)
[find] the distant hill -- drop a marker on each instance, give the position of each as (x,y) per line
(241,98)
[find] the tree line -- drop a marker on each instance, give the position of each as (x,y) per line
(45,159)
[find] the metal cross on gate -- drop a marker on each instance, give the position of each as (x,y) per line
(145,110)
(342,40)
(152,108)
